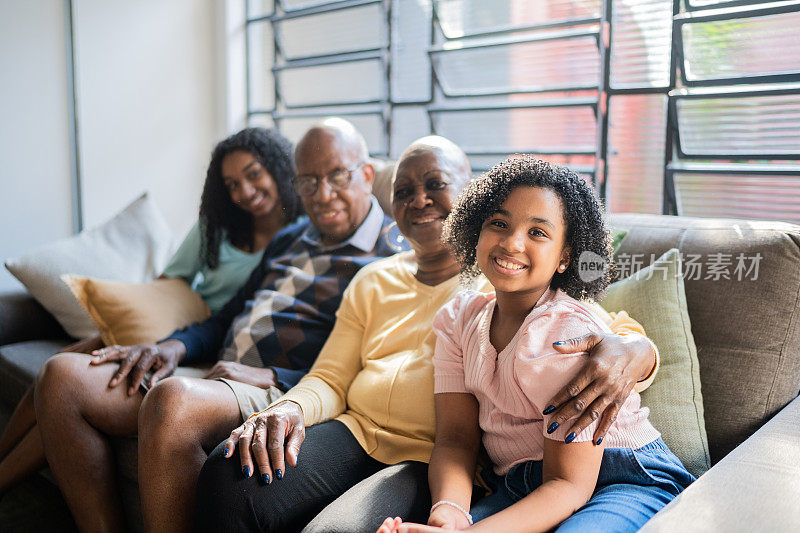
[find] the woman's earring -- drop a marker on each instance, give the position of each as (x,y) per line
(395,239)
(561,268)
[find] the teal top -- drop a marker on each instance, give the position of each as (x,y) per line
(215,286)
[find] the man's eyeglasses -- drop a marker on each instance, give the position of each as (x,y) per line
(339,179)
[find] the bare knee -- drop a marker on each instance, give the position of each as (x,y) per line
(61,378)
(168,409)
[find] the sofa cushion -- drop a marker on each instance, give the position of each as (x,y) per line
(382,184)
(745,321)
(133,246)
(655,297)
(137,313)
(617,235)
(20,363)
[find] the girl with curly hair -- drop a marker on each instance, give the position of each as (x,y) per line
(531,228)
(247,198)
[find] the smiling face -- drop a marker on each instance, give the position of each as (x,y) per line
(249,184)
(522,246)
(337,214)
(427,182)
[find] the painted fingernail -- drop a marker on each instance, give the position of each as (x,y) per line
(279,474)
(552,427)
(560,343)
(226,452)
(598,441)
(570,438)
(246,471)
(265,478)
(549,409)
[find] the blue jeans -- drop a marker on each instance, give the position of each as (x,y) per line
(633,485)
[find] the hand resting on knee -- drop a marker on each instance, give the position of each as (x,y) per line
(161,359)
(272,438)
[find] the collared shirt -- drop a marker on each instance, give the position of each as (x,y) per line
(364,237)
(286,310)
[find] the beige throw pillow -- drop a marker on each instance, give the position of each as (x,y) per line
(655,297)
(137,313)
(133,246)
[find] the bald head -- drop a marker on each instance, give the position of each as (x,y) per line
(337,134)
(429,176)
(447,153)
(332,158)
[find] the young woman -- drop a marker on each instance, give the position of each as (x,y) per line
(247,198)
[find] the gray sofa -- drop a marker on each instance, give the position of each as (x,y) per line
(748,340)
(748,344)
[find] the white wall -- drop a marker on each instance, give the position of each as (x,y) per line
(35,195)
(150,93)
(147,98)
(232,85)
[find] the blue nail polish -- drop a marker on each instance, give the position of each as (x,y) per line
(570,438)
(549,409)
(559,343)
(599,441)
(265,478)
(279,474)
(552,427)
(246,471)
(226,451)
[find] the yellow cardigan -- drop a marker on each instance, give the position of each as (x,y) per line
(375,372)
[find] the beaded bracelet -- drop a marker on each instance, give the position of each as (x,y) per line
(452,504)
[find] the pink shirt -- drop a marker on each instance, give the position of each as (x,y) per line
(514,386)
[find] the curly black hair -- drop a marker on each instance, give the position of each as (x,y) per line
(219,217)
(583,215)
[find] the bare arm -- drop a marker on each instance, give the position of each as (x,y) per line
(455,452)
(569,477)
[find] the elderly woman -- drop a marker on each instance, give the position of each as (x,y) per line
(359,428)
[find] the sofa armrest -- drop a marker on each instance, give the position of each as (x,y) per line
(755,487)
(22,319)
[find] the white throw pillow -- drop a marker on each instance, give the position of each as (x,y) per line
(133,246)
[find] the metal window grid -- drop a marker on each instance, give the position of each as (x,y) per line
(441,102)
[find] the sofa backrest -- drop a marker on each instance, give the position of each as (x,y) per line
(746,327)
(22,318)
(382,185)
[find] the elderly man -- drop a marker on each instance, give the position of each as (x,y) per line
(267,337)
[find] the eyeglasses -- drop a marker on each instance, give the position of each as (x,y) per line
(339,179)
